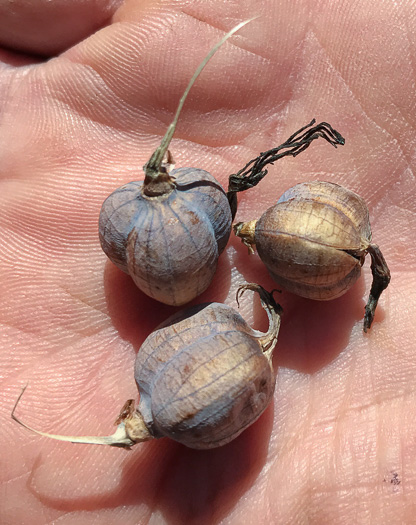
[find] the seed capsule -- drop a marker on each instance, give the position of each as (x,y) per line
(168,231)
(314,242)
(170,243)
(203,377)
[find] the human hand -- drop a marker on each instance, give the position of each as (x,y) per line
(337,444)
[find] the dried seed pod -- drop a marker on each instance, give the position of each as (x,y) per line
(314,242)
(169,244)
(168,231)
(203,377)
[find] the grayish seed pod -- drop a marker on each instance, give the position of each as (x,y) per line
(203,377)
(168,231)
(169,244)
(314,242)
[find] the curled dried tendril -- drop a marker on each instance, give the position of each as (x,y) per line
(253,172)
(274,312)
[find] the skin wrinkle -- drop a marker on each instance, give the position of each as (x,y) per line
(84,111)
(309,455)
(361,408)
(164,124)
(157,136)
(125,104)
(360,101)
(405,31)
(15,478)
(408,32)
(101,311)
(50,340)
(401,206)
(348,86)
(342,411)
(230,42)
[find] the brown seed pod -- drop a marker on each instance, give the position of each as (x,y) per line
(314,242)
(203,377)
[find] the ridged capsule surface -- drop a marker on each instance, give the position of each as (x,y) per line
(205,376)
(314,241)
(170,243)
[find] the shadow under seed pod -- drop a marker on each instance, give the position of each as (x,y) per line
(204,486)
(134,314)
(181,485)
(313,333)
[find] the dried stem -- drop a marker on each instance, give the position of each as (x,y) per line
(274,311)
(153,169)
(253,172)
(381,279)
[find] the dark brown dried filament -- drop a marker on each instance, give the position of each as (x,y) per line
(253,172)
(381,279)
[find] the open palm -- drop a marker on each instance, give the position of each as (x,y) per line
(338,443)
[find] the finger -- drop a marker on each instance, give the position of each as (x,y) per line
(46,28)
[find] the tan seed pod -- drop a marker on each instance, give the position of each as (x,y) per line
(314,242)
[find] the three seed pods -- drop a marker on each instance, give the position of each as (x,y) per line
(205,375)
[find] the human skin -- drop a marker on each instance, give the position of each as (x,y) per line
(338,443)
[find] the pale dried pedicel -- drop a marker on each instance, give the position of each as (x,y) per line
(314,242)
(203,377)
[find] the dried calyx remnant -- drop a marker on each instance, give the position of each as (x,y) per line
(203,377)
(314,242)
(168,231)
